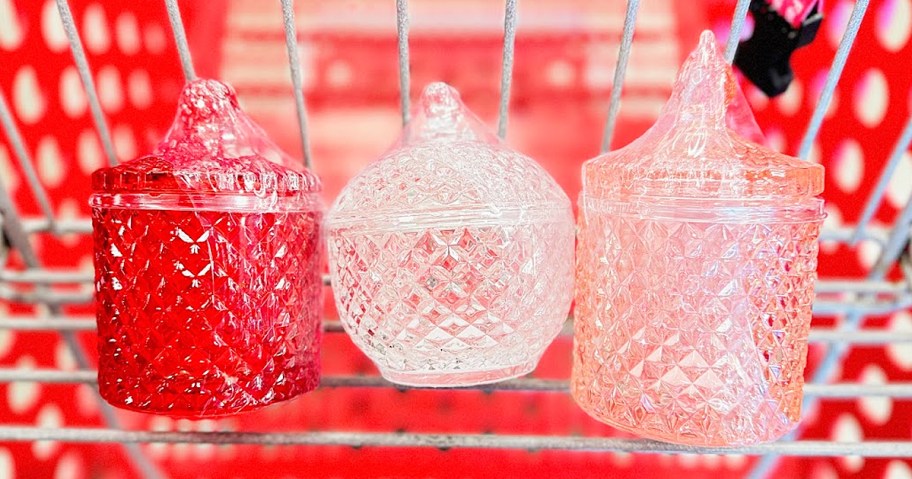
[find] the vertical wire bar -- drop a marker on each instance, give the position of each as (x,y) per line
(85,73)
(767,462)
(620,72)
(902,144)
(832,79)
(82,66)
(506,72)
(890,252)
(835,352)
(899,237)
(905,265)
(12,225)
(180,39)
(734,35)
(15,232)
(294,65)
(25,161)
(402,34)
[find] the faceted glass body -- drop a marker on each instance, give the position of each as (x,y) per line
(206,313)
(208,257)
(451,256)
(693,331)
(696,262)
(454,305)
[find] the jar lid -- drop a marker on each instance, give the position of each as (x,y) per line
(212,147)
(446,166)
(701,146)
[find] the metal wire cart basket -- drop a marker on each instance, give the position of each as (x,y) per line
(91,82)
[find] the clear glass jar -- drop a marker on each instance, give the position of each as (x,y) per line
(452,255)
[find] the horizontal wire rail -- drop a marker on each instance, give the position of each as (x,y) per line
(844,234)
(867,337)
(829,286)
(450,441)
(897,298)
(855,298)
(829,391)
(880,296)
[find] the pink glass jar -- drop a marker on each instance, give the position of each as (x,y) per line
(452,255)
(207,264)
(696,264)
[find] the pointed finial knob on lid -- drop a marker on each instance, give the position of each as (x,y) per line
(707,48)
(439,99)
(704,87)
(206,101)
(440,114)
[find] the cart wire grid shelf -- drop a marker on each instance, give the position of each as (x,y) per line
(850,298)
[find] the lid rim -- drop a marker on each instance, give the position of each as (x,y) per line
(802,180)
(124,178)
(206,203)
(516,210)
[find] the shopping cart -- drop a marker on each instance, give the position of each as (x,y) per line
(117,90)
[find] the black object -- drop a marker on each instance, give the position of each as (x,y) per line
(764,57)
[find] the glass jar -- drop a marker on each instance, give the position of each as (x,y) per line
(696,264)
(451,256)
(207,268)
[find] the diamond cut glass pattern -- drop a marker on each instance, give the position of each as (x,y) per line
(451,256)
(207,262)
(696,263)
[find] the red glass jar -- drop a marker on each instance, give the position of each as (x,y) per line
(208,261)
